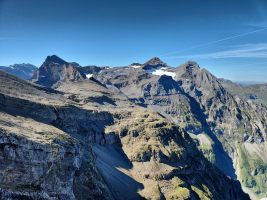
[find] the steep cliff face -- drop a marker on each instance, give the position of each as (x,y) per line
(39,161)
(36,163)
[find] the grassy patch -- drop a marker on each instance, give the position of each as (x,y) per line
(200,193)
(253,172)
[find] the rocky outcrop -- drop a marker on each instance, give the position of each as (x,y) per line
(36,164)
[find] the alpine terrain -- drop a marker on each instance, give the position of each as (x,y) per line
(142,131)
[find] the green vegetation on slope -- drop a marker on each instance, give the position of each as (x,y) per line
(253,172)
(205,145)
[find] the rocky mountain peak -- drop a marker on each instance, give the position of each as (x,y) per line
(55,70)
(195,77)
(188,69)
(154,60)
(55,60)
(154,63)
(190,66)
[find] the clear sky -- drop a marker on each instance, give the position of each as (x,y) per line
(228,37)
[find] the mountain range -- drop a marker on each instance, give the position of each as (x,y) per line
(142,131)
(24,71)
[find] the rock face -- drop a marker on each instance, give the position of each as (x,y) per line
(90,138)
(33,167)
(55,70)
(23,71)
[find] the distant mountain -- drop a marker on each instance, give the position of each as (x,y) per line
(24,71)
(253,92)
(248,83)
(55,70)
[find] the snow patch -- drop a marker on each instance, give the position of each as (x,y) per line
(136,66)
(89,75)
(162,71)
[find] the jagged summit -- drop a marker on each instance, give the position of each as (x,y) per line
(154,60)
(200,77)
(190,68)
(55,59)
(190,65)
(154,63)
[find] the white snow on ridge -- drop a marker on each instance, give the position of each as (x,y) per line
(162,71)
(89,75)
(136,66)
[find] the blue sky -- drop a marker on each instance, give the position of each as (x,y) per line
(226,37)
